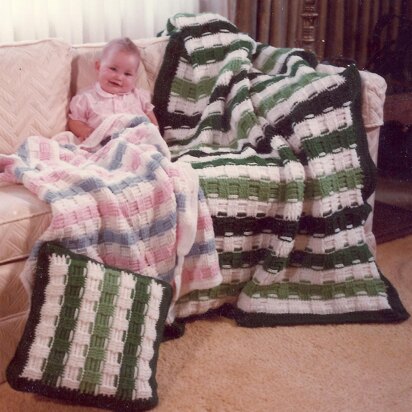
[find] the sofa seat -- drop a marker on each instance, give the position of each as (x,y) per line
(14,308)
(23,218)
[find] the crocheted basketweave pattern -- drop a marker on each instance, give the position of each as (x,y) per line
(125,203)
(93,333)
(281,153)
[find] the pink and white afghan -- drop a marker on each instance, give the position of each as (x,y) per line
(124,203)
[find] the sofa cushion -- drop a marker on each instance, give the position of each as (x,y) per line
(34,84)
(14,307)
(22,224)
(14,300)
(11,330)
(152,51)
(84,73)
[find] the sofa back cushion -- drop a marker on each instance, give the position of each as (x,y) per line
(84,57)
(34,90)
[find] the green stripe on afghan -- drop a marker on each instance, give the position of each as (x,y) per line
(260,190)
(133,341)
(67,320)
(281,152)
(96,352)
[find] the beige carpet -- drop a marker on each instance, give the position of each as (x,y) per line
(218,366)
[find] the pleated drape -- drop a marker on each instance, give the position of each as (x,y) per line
(343,28)
(81,21)
(275,22)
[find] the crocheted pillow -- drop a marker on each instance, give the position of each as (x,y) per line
(93,333)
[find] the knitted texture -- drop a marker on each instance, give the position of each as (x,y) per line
(93,333)
(124,204)
(281,153)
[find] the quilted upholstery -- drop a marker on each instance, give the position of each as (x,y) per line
(21,225)
(373,92)
(34,84)
(14,307)
(13,297)
(11,330)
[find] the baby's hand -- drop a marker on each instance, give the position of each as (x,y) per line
(80,129)
(84,132)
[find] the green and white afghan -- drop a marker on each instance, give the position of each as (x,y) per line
(281,153)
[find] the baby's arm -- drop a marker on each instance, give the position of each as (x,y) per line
(79,128)
(143,100)
(152,118)
(78,110)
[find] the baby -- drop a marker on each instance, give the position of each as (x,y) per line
(114,92)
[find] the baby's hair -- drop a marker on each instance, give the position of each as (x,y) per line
(123,44)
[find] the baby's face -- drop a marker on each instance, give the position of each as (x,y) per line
(117,71)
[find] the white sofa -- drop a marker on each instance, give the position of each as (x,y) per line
(37,80)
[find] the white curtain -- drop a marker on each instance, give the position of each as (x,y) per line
(86,21)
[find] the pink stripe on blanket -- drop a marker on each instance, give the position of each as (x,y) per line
(44,151)
(159,198)
(150,258)
(155,256)
(68,219)
(204,223)
(198,273)
(172,172)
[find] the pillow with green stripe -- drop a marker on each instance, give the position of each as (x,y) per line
(93,333)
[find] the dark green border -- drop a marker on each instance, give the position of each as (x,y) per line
(397,313)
